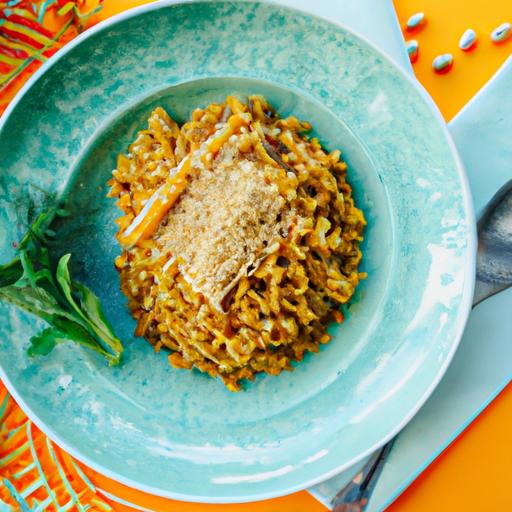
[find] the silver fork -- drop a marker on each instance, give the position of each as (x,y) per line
(493,275)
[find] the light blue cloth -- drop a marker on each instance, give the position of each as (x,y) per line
(482,366)
(373,19)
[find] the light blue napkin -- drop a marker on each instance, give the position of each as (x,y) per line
(483,363)
(373,19)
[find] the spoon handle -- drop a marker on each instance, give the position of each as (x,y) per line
(485,290)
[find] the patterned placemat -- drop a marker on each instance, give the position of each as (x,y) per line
(35,474)
(31,32)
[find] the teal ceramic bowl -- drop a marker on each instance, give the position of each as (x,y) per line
(177,433)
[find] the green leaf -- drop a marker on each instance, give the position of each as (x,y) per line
(42,343)
(28,249)
(76,332)
(10,272)
(64,280)
(71,309)
(34,278)
(33,300)
(44,258)
(38,228)
(90,311)
(92,308)
(45,341)
(29,273)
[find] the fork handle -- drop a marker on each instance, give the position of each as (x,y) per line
(355,495)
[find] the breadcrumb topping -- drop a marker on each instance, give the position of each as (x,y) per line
(227,219)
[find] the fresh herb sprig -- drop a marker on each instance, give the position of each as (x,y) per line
(72,311)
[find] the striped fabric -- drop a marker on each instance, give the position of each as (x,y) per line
(30,32)
(35,474)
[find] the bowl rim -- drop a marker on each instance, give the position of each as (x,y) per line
(468,283)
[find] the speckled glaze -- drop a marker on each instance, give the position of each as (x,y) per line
(181,434)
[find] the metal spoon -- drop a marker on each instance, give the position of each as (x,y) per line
(493,275)
(494,258)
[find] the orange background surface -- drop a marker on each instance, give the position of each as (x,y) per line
(474,473)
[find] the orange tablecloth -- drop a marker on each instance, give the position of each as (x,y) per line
(474,473)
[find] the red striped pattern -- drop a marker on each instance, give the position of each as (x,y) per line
(15,53)
(24,42)
(16,18)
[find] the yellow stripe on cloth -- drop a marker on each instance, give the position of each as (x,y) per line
(33,34)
